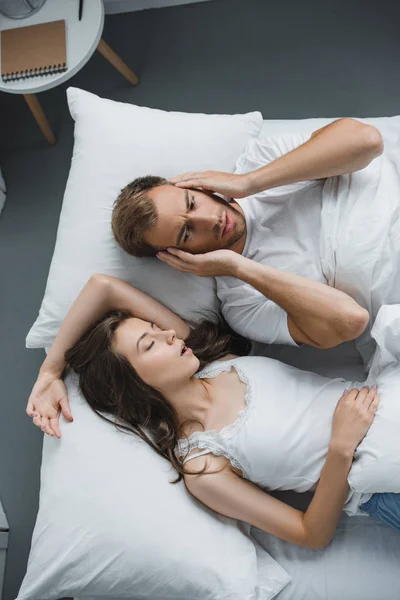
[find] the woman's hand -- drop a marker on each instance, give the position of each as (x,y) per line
(227,184)
(48,397)
(212,264)
(353,417)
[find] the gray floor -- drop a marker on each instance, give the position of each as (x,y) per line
(288,59)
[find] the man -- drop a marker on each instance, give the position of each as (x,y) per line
(274,251)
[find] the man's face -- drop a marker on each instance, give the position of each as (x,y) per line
(193,221)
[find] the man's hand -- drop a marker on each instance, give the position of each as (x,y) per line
(227,184)
(48,397)
(211,264)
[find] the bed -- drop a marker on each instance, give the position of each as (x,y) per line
(362,562)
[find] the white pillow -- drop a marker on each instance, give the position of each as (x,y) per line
(115,143)
(110,524)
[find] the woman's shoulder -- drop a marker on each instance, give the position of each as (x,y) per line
(209,463)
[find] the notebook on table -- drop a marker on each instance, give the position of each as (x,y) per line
(33,51)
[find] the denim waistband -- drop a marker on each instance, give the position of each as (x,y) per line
(370,505)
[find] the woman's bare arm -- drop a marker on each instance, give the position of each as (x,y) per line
(101,294)
(235,497)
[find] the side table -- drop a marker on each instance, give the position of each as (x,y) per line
(83,38)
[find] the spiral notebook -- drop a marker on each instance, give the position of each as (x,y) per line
(33,51)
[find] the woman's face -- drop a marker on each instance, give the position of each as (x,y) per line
(158,356)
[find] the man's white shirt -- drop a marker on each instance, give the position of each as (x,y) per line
(283,226)
(344,231)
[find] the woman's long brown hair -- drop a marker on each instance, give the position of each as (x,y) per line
(111,385)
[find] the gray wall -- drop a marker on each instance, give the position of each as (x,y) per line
(288,59)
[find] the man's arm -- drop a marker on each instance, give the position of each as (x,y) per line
(342,147)
(318,315)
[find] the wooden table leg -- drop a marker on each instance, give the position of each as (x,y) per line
(117,62)
(40,117)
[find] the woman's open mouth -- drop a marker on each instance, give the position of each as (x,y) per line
(186,351)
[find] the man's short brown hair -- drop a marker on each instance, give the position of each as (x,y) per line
(134,213)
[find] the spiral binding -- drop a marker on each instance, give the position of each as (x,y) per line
(43,71)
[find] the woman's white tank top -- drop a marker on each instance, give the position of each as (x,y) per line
(280,440)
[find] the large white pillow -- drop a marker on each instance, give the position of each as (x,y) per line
(115,143)
(111,525)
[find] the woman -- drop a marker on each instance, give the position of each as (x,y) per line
(139,369)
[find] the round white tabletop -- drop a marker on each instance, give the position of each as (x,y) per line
(82,39)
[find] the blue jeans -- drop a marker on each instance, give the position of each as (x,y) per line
(385,507)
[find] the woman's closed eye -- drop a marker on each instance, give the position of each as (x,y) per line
(155,328)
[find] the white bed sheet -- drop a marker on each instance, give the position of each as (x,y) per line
(361,563)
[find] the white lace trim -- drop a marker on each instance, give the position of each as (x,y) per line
(218,451)
(214,440)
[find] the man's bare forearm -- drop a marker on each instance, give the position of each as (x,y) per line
(324,314)
(341,147)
